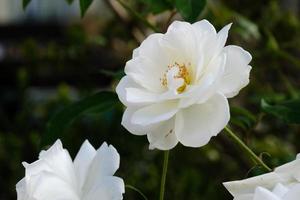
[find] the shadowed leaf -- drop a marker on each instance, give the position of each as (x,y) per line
(289,111)
(97,103)
(84,5)
(157,6)
(25,3)
(190,9)
(69,1)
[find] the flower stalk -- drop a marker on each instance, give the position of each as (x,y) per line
(247,150)
(164,175)
(137,190)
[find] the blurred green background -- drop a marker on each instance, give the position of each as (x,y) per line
(50,58)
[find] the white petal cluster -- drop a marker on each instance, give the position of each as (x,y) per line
(177,84)
(54,176)
(281,184)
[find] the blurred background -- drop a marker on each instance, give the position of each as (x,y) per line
(50,58)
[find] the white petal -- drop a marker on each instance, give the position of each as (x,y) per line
(36,167)
(152,49)
(246,186)
(237,71)
(55,160)
(139,96)
(289,171)
(82,162)
(195,125)
(244,197)
(207,85)
(213,45)
(293,193)
(198,71)
(125,82)
(132,128)
(180,43)
(264,194)
(105,163)
(148,67)
(222,37)
(280,190)
(155,113)
(48,186)
(140,68)
(106,188)
(131,94)
(204,34)
(162,136)
(22,193)
(203,28)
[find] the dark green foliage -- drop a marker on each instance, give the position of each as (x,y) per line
(242,117)
(84,5)
(69,1)
(25,3)
(190,9)
(157,6)
(97,103)
(289,111)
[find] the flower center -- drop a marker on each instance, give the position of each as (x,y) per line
(176,77)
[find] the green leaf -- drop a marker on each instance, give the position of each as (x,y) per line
(289,111)
(116,75)
(99,102)
(84,5)
(69,1)
(190,9)
(157,6)
(25,3)
(247,28)
(242,117)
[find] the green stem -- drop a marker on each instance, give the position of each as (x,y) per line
(137,190)
(164,175)
(243,146)
(138,16)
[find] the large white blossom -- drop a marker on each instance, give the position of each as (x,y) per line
(177,84)
(281,184)
(54,176)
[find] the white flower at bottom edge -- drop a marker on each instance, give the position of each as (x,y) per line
(54,176)
(281,184)
(177,84)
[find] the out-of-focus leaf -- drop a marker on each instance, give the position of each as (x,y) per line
(25,3)
(116,75)
(99,102)
(272,43)
(190,9)
(289,111)
(69,1)
(84,5)
(157,6)
(248,28)
(242,117)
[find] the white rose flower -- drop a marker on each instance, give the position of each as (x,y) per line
(281,184)
(177,84)
(55,177)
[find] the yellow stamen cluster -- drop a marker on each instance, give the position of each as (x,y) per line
(183,73)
